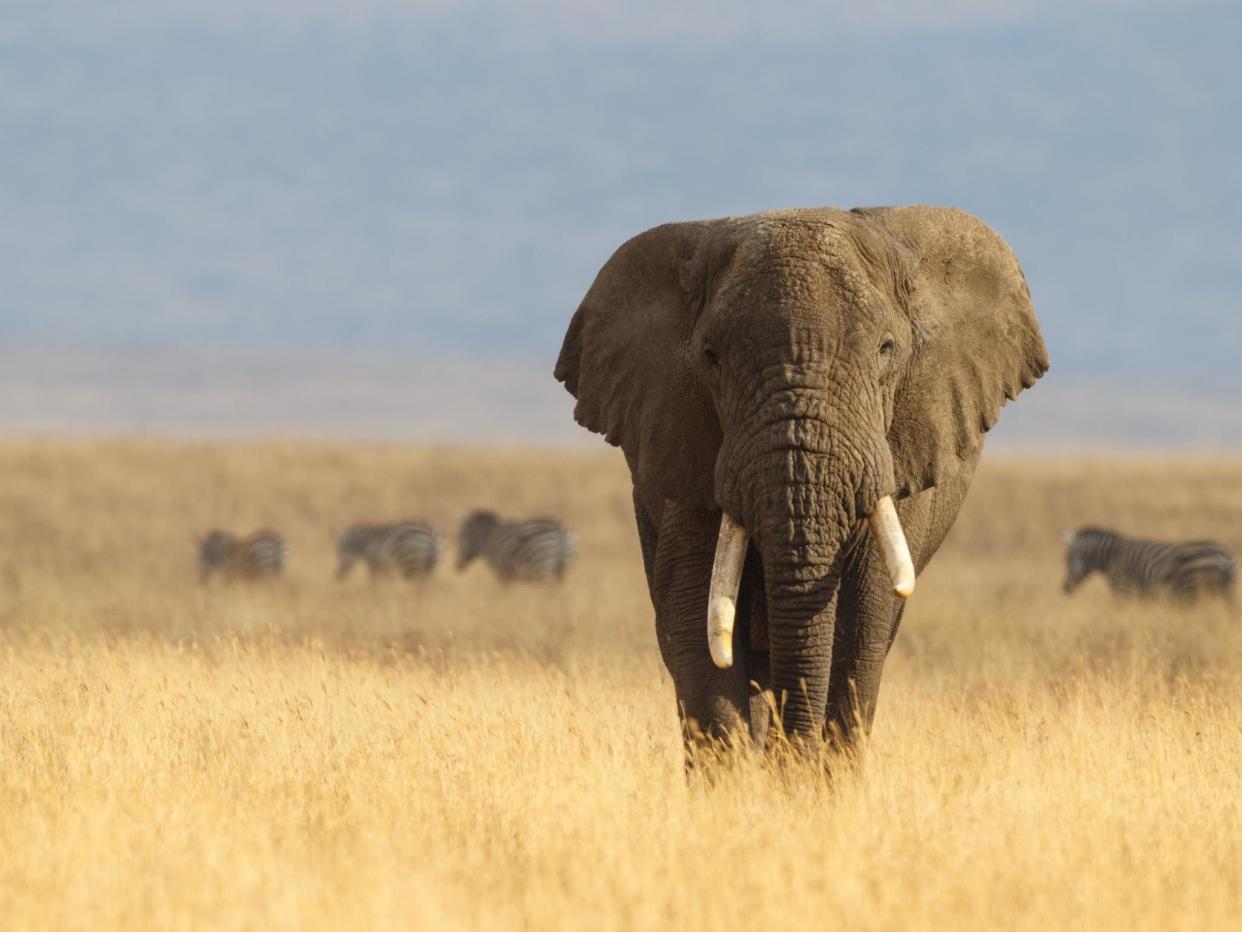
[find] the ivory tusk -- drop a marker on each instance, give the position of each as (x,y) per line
(886,529)
(722,596)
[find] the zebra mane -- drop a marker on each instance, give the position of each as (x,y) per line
(1097,533)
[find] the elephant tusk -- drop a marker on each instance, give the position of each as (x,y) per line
(722,596)
(886,529)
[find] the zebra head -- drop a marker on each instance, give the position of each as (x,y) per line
(1085,553)
(215,547)
(476,531)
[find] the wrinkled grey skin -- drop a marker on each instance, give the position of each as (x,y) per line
(791,368)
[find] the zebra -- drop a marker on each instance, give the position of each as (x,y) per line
(255,556)
(1150,568)
(534,550)
(409,547)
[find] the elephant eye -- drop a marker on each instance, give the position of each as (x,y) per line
(710,355)
(887,347)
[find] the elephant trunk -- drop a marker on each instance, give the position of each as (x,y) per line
(802,554)
(802,503)
(731,555)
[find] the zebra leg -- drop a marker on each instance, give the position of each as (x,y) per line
(1185,596)
(504,574)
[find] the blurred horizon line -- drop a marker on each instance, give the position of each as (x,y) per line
(402,395)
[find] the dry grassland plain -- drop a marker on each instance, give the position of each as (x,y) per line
(455,754)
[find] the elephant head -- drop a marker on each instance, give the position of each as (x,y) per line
(797,370)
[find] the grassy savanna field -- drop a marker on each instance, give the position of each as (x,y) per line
(457,755)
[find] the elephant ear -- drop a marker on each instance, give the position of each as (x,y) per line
(626,359)
(976,341)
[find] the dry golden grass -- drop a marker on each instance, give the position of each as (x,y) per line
(314,755)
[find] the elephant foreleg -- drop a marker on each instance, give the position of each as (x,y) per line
(712,703)
(868,615)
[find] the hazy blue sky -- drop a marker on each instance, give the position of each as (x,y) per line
(449,176)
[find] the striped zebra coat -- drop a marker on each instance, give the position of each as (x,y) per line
(1150,568)
(260,555)
(534,550)
(409,548)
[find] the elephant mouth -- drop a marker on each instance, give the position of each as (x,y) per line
(731,554)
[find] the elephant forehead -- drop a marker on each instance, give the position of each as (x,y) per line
(793,234)
(795,285)
(798,256)
(799,296)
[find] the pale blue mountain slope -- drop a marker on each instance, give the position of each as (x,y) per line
(448,177)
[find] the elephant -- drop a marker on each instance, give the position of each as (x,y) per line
(792,390)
